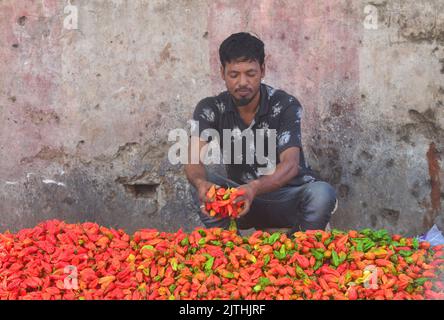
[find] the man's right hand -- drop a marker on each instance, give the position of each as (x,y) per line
(202,189)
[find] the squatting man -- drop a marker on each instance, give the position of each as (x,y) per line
(290,195)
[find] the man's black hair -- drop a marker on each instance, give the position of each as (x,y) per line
(241,46)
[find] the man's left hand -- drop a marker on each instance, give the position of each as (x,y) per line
(247,197)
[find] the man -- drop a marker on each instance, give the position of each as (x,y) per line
(291,196)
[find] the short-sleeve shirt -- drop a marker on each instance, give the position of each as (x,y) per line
(278,111)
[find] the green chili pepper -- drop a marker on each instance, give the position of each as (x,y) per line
(172,287)
(367,246)
(409,260)
(279,255)
(317,265)
(380,234)
(209,264)
(335,258)
(348,277)
(233,225)
(318,254)
(263,282)
(185,242)
(336,232)
(257,288)
(273,238)
(415,243)
(301,273)
(405,253)
(174,264)
(420,281)
(342,257)
(367,232)
(230,244)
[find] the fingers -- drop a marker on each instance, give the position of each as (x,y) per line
(240,199)
(203,210)
(245,210)
(203,197)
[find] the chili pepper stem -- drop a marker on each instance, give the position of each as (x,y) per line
(233,225)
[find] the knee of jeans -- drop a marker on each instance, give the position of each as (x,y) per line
(323,196)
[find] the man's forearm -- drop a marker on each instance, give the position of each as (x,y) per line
(195,174)
(283,174)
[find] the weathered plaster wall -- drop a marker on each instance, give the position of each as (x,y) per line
(85,113)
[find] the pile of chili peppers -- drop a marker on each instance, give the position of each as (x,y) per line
(56,260)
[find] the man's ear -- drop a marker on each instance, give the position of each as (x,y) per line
(222,72)
(263,70)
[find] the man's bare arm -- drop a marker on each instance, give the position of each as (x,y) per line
(196,173)
(286,170)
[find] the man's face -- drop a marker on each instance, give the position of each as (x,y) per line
(243,80)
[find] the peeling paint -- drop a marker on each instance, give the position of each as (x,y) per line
(435,183)
(49,181)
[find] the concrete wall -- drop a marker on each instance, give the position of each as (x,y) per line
(85,113)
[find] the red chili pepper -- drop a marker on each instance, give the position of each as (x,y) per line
(281,270)
(302,261)
(323,284)
(429,274)
(327,270)
(382,263)
(352,293)
(212,192)
(283,282)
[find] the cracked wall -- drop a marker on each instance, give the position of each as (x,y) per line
(85,113)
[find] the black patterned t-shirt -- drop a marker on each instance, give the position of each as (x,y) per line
(275,128)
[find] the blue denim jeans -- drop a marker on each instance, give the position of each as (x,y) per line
(300,208)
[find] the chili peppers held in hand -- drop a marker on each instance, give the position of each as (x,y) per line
(223,203)
(40,263)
